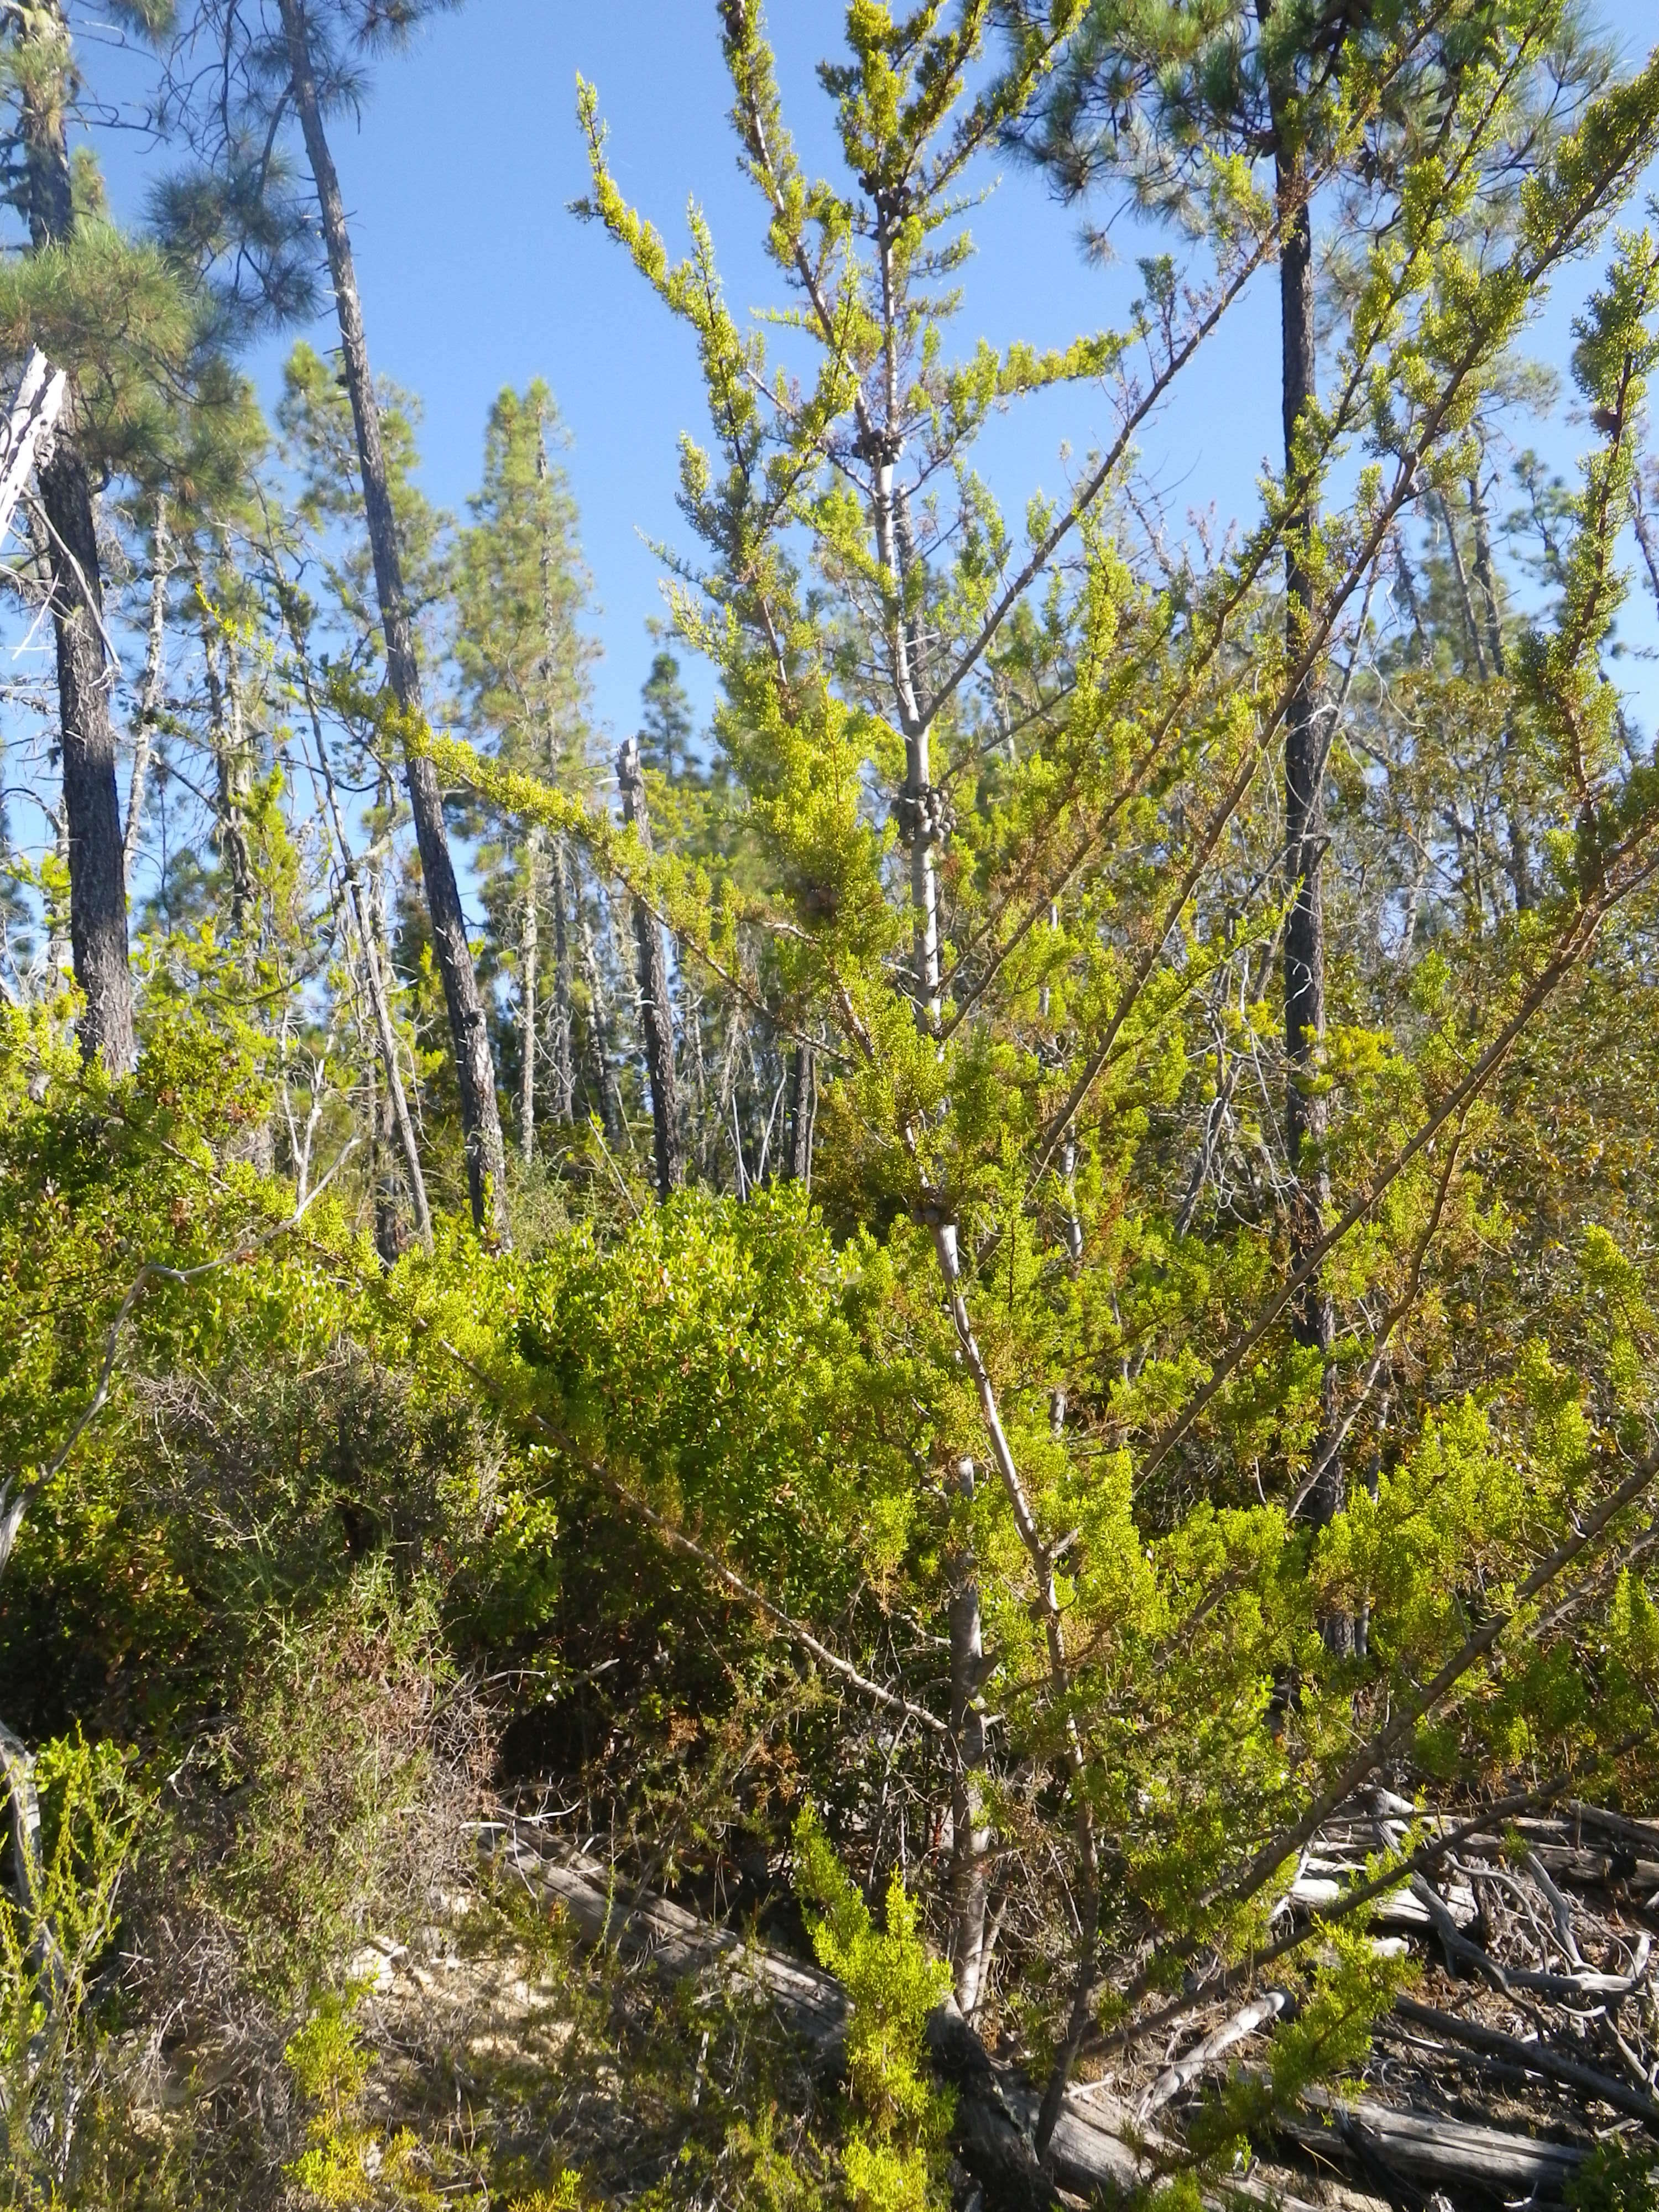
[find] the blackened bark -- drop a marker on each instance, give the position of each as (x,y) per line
(599,1037)
(656,1014)
(1306,1117)
(486,1153)
(92,805)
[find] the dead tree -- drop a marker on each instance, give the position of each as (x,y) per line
(486,1153)
(656,1013)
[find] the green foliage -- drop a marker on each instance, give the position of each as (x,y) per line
(991,1293)
(56,1936)
(347,2164)
(1618,2176)
(892,2159)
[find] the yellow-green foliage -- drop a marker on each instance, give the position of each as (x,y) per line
(347,2165)
(892,2155)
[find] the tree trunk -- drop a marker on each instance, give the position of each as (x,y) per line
(1306,1117)
(529,949)
(230,833)
(92,806)
(371,937)
(564,1072)
(1519,869)
(803,1099)
(149,696)
(486,1154)
(563,1040)
(365,913)
(971,1835)
(599,1031)
(656,1014)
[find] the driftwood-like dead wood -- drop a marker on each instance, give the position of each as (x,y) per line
(1430,2151)
(1197,2062)
(1640,1835)
(1536,2058)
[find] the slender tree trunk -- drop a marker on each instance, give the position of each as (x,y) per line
(486,1154)
(1519,867)
(388,1218)
(562,1041)
(529,948)
(230,773)
(368,910)
(971,1835)
(398,1113)
(598,1028)
(59,955)
(803,1094)
(1306,1117)
(1471,628)
(365,913)
(149,696)
(656,1013)
(922,823)
(564,1072)
(92,805)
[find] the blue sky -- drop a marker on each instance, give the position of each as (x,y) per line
(474,274)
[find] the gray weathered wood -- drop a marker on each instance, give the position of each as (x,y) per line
(1537,2057)
(1427,2149)
(656,1014)
(30,426)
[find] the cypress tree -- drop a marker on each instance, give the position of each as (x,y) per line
(1156,95)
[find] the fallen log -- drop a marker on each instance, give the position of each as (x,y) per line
(1428,2151)
(1640,1835)
(655,1931)
(1536,2058)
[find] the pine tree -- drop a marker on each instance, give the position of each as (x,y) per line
(519,590)
(1073,869)
(44,82)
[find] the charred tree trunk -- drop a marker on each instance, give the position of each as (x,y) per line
(486,1154)
(656,1015)
(803,1099)
(1306,1115)
(599,1031)
(92,805)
